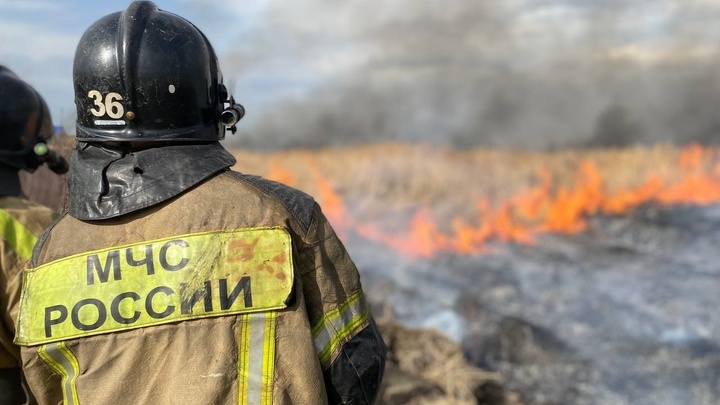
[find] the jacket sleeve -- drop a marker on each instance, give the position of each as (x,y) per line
(11,386)
(349,346)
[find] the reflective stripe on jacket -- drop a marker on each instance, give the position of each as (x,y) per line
(198,330)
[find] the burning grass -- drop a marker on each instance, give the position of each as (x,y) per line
(423,200)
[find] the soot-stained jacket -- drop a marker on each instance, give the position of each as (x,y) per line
(235,290)
(21,222)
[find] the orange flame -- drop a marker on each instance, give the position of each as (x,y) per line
(332,203)
(279,173)
(523,217)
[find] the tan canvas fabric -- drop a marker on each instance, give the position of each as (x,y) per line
(197,361)
(22,216)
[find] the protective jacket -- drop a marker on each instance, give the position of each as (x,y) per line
(234,291)
(21,222)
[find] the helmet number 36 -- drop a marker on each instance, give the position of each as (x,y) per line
(111,106)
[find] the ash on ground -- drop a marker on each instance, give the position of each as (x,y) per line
(624,313)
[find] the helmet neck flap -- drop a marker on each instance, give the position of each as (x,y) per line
(108,182)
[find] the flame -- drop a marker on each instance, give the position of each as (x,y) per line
(333,205)
(543,208)
(279,173)
(423,238)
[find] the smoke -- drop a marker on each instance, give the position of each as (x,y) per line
(537,75)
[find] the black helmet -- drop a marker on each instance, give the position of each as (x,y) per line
(145,74)
(24,122)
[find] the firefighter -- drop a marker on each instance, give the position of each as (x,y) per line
(173,279)
(25,129)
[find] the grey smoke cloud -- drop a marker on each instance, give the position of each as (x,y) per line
(532,74)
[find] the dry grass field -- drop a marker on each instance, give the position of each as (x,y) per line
(422,199)
(399,176)
(422,174)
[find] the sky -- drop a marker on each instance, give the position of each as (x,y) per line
(38,38)
(534,74)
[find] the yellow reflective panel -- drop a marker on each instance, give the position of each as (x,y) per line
(17,235)
(256,359)
(155,282)
(62,361)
